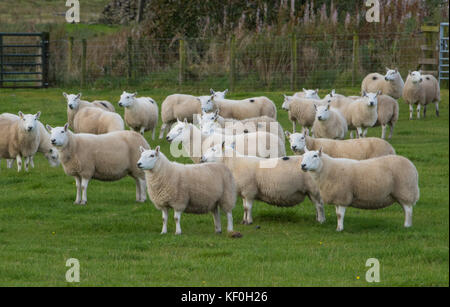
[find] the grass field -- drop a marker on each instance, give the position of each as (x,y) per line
(117,240)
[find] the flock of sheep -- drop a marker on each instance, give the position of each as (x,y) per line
(238,148)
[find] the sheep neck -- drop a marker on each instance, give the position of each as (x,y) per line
(159,177)
(310,143)
(66,151)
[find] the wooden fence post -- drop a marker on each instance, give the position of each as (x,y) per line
(293,61)
(83,62)
(45,58)
(182,55)
(70,57)
(232,63)
(355,58)
(130,57)
(140,10)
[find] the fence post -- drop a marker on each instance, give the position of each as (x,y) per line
(293,61)
(1,60)
(232,62)
(130,57)
(355,58)
(70,57)
(140,10)
(83,62)
(45,54)
(182,55)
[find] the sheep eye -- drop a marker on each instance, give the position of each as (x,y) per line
(62,131)
(152,156)
(315,156)
(51,150)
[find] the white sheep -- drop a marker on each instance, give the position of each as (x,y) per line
(368,184)
(106,157)
(141,114)
(356,149)
(282,185)
(421,90)
(19,138)
(362,113)
(195,143)
(390,84)
(85,117)
(171,185)
(210,121)
(45,146)
(329,123)
(300,110)
(179,107)
(74,104)
(245,108)
(308,94)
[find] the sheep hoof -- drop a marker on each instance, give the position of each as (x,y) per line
(178,233)
(163,232)
(244,222)
(218,232)
(235,234)
(339,229)
(83,203)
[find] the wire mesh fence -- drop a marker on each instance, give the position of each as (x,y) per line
(287,62)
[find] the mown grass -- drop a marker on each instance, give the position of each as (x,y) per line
(117,240)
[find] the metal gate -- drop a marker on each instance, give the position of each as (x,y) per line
(443,52)
(24,60)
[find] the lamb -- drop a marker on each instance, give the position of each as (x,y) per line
(362,113)
(45,146)
(246,108)
(19,138)
(300,110)
(308,94)
(141,114)
(356,149)
(106,157)
(421,90)
(262,123)
(179,107)
(83,117)
(74,104)
(283,185)
(368,184)
(170,185)
(195,143)
(329,123)
(391,84)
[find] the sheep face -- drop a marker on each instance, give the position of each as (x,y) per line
(218,95)
(311,94)
(286,103)
(372,98)
(297,141)
(29,121)
(53,157)
(178,131)
(148,159)
(312,161)
(207,103)
(73,101)
(126,99)
(209,128)
(330,95)
(391,74)
(323,112)
(415,76)
(58,135)
(216,153)
(209,117)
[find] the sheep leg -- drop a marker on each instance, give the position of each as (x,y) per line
(230,222)
(19,163)
(27,162)
(351,134)
(340,213)
(217,223)
(391,131)
(418,111)
(437,108)
(177,217)
(165,217)
(424,111)
(78,184)
(84,186)
(153,133)
(9,163)
(360,132)
(248,211)
(383,132)
(294,126)
(32,161)
(411,110)
(140,190)
(161,133)
(142,130)
(408,215)
(365,132)
(320,213)
(143,189)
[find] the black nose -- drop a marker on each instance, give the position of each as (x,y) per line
(139,164)
(304,167)
(168,138)
(71,107)
(30,128)
(294,147)
(53,141)
(320,117)
(385,78)
(120,104)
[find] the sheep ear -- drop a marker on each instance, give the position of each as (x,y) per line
(364,94)
(38,114)
(287,133)
(141,149)
(134,94)
(157,150)
(49,128)
(320,151)
(387,68)
(223,145)
(317,91)
(79,95)
(65,95)
(328,106)
(225,91)
(185,120)
(20,114)
(306,149)
(378,92)
(66,126)
(216,113)
(409,72)
(211,91)
(315,107)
